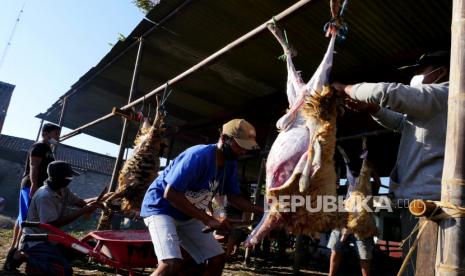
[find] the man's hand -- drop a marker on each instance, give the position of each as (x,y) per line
(106,196)
(91,206)
(342,90)
(218,224)
(359,106)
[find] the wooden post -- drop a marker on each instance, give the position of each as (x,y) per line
(255,199)
(450,260)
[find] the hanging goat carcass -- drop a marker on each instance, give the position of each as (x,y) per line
(300,163)
(138,171)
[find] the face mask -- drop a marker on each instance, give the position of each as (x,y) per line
(57,184)
(418,79)
(53,141)
(227,150)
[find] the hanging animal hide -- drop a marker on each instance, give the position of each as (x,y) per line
(138,172)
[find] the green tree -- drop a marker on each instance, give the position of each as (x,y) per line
(146,5)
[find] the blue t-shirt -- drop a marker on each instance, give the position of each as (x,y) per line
(195,173)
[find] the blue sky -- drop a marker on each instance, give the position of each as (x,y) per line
(55,43)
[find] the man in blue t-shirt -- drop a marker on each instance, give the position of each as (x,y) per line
(174,205)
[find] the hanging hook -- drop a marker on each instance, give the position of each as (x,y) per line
(336,24)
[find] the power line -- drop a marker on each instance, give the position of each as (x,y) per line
(8,44)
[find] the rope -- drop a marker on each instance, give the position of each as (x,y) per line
(166,94)
(282,57)
(412,249)
(338,23)
(457,212)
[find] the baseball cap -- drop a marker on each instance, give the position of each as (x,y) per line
(60,170)
(438,58)
(242,132)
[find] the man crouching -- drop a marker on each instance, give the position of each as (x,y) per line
(175,203)
(48,206)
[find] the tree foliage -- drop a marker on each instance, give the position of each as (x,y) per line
(145,5)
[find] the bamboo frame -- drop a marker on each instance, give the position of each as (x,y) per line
(196,67)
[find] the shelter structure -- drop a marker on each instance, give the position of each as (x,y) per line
(170,53)
(249,81)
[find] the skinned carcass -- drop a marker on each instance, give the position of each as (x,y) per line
(138,172)
(300,162)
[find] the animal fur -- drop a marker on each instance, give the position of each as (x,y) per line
(138,172)
(320,108)
(360,221)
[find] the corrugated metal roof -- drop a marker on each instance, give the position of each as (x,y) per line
(249,81)
(78,158)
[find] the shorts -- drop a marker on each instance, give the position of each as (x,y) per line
(168,234)
(23,204)
(364,247)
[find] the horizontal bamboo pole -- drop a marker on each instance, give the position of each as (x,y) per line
(422,208)
(196,67)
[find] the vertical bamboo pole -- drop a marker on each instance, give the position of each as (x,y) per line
(40,130)
(106,218)
(122,145)
(450,260)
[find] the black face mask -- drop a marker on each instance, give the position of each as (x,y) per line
(227,150)
(57,184)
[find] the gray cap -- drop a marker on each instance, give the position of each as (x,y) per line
(60,170)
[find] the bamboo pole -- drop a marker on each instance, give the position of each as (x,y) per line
(420,207)
(106,217)
(124,132)
(198,66)
(450,260)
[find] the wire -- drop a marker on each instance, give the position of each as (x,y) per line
(13,31)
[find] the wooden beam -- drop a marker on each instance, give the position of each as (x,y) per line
(426,251)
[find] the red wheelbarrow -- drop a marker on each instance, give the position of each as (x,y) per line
(126,249)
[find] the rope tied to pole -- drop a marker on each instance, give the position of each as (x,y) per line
(164,98)
(336,24)
(288,51)
(453,211)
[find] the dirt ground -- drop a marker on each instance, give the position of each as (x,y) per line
(272,265)
(233,267)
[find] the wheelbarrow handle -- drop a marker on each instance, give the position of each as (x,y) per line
(30,224)
(35,237)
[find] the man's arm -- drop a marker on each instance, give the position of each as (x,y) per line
(83,202)
(179,200)
(416,101)
(389,119)
(34,165)
(64,220)
(243,204)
